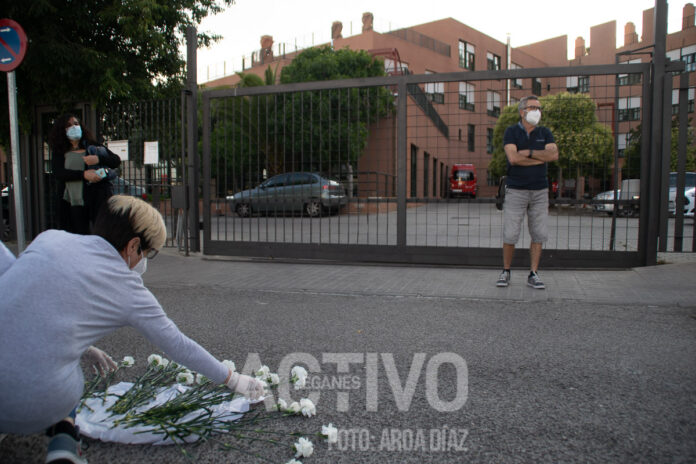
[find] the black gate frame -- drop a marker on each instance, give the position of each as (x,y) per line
(402,253)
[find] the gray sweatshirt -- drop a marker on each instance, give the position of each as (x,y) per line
(60,296)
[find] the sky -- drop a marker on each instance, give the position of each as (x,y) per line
(309,21)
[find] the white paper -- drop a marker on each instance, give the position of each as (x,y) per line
(119,147)
(151,152)
(96,422)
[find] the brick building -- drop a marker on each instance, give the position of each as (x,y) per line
(469,110)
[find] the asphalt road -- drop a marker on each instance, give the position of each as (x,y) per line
(528,381)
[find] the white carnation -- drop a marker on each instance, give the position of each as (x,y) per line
(230,365)
(128,361)
(185,377)
(303,448)
(294,407)
(307,407)
(154,359)
(263,372)
(330,432)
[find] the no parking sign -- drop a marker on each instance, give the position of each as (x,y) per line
(13,45)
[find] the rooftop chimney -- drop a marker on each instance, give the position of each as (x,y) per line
(630,34)
(688,16)
(579,47)
(367,20)
(336,29)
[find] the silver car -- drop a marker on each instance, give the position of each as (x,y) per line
(599,205)
(304,192)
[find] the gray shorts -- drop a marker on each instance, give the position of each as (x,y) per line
(536,204)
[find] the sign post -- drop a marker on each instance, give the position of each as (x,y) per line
(13,46)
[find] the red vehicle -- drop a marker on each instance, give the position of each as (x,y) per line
(462,181)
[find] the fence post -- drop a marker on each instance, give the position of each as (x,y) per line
(401,108)
(192,162)
(651,190)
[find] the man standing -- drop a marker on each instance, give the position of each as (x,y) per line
(528,148)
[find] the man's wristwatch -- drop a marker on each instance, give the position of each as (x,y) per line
(530,153)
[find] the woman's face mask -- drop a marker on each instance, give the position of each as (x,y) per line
(74,132)
(141,267)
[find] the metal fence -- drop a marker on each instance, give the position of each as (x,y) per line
(152,165)
(394,158)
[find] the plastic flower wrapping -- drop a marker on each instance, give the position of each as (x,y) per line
(169,404)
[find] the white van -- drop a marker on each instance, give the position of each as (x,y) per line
(688,184)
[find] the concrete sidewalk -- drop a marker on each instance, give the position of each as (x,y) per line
(670,284)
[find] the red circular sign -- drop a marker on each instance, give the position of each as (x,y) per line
(13,45)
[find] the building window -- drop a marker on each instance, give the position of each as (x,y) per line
(434,177)
(392,69)
(466,96)
(584,84)
(426,174)
(493,104)
(414,171)
(470,137)
(629,109)
(467,55)
(536,87)
(489,141)
(675,101)
(516,83)
(435,91)
(460,135)
(621,144)
(629,79)
(493,62)
(578,84)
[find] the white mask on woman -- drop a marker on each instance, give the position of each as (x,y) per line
(141,267)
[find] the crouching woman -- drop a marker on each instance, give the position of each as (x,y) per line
(63,294)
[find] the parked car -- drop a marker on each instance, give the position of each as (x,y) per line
(462,181)
(690,183)
(599,206)
(630,190)
(304,192)
(689,202)
(123,187)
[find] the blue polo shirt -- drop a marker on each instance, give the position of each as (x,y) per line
(527,177)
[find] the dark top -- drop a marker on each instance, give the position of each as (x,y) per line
(94,193)
(527,177)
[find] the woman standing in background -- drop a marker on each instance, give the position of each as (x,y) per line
(83,170)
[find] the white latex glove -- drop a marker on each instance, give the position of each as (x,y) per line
(248,386)
(101,361)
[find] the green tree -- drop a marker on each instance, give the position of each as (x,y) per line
(631,167)
(309,130)
(585,146)
(101,51)
(324,122)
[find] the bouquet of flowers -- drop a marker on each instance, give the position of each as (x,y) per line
(170,404)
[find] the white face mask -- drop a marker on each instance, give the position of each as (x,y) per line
(533,117)
(141,267)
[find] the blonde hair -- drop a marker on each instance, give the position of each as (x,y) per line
(145,220)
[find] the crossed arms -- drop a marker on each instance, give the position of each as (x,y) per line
(521,157)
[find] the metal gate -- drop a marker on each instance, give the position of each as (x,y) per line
(391,143)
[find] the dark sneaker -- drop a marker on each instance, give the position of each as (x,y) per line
(503,279)
(534,281)
(63,448)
